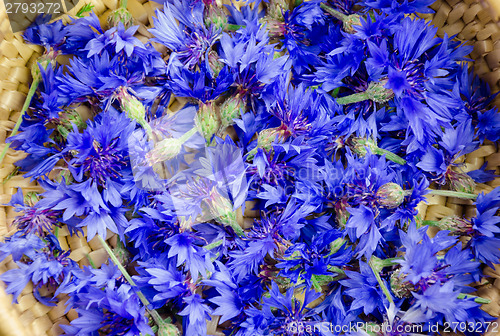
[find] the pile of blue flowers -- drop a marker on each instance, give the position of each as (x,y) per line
(281,199)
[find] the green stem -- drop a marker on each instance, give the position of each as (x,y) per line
(91,262)
(334,12)
(213,245)
(354,98)
(451,193)
(388,262)
(336,245)
(336,270)
(154,314)
(186,136)
(27,102)
(390,156)
(123,4)
(477,299)
(376,270)
(234,27)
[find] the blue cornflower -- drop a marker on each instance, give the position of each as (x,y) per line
(440,301)
(20,244)
(455,141)
(115,40)
(477,99)
(85,199)
(195,258)
(49,35)
(400,6)
(112,311)
(252,63)
(485,240)
(48,265)
(34,219)
(80,32)
(300,111)
(281,314)
(419,77)
(100,152)
(363,288)
(196,313)
(230,300)
(163,282)
(303,261)
(189,40)
(152,226)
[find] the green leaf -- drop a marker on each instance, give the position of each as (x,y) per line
(84,9)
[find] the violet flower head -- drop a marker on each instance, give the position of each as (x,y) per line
(49,35)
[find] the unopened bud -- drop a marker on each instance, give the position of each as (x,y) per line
(378,92)
(206,121)
(390,195)
(359,145)
(31,198)
(275,27)
(134,108)
(215,16)
(351,21)
(122,253)
(231,109)
(268,136)
(400,286)
(276,8)
(67,119)
(455,224)
(222,209)
(461,182)
(214,63)
(120,15)
(48,58)
(164,150)
(341,213)
(168,329)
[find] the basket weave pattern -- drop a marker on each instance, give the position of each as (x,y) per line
(470,20)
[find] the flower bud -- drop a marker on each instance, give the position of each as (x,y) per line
(121,253)
(206,121)
(120,15)
(214,63)
(168,329)
(67,119)
(48,58)
(378,93)
(390,195)
(164,150)
(275,28)
(342,215)
(134,108)
(454,224)
(267,137)
(351,21)
(276,8)
(31,198)
(215,16)
(222,209)
(358,145)
(461,182)
(399,286)
(231,109)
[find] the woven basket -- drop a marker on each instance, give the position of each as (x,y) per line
(472,21)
